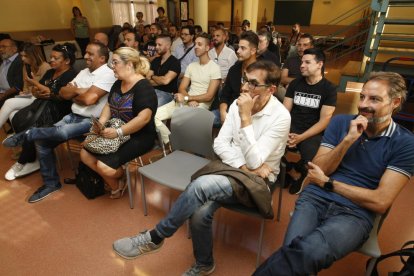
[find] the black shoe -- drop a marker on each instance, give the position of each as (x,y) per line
(297,185)
(43,192)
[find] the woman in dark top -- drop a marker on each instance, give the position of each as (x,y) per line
(133,100)
(47,96)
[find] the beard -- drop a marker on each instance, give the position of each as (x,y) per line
(374,120)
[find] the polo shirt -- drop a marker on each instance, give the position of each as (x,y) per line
(367,159)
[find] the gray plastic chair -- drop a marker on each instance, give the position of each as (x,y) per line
(191,138)
(371,246)
(255,213)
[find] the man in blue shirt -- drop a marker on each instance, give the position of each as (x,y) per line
(363,163)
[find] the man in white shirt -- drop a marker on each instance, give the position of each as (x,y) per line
(251,142)
(203,75)
(221,54)
(89,93)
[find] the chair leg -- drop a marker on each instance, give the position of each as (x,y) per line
(143,198)
(130,191)
(188,229)
(282,184)
(370,266)
(72,164)
(259,250)
(58,161)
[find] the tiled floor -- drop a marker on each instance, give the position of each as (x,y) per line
(66,234)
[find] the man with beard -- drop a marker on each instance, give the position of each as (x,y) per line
(364,161)
(246,55)
(11,70)
(131,40)
(149,47)
(175,37)
(221,54)
(311,100)
(198,86)
(164,71)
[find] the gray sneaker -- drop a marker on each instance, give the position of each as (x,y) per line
(132,247)
(200,270)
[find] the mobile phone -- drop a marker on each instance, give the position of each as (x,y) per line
(28,71)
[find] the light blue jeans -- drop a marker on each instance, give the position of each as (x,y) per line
(320,232)
(163,97)
(47,138)
(199,202)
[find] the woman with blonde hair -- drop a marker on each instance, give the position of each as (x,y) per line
(133,100)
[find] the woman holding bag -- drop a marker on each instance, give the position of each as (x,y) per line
(132,99)
(47,109)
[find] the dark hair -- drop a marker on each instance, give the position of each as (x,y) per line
(250,37)
(319,56)
(139,13)
(161,9)
(103,50)
(158,26)
(273,71)
(68,51)
(164,36)
(136,36)
(265,34)
(173,25)
(246,22)
(306,35)
(198,29)
(34,54)
(189,28)
(190,19)
(74,9)
(206,36)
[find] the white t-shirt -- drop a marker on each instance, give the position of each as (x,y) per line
(225,60)
(200,76)
(102,78)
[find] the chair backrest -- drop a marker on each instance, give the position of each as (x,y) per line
(352,86)
(191,131)
(371,246)
(346,103)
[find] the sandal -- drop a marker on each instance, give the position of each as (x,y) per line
(118,193)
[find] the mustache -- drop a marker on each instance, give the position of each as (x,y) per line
(366,110)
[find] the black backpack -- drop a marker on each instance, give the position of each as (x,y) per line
(405,251)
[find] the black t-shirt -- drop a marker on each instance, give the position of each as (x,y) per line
(308,101)
(232,85)
(267,55)
(171,64)
(126,106)
(149,48)
(293,65)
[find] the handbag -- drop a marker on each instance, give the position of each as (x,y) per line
(89,182)
(97,144)
(26,117)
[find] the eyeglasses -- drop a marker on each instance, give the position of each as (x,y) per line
(115,62)
(252,84)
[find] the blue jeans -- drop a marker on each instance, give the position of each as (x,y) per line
(47,138)
(319,233)
(199,202)
(163,97)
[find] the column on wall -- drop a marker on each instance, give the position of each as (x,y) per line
(201,14)
(247,10)
(254,15)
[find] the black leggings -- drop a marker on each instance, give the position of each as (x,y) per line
(28,154)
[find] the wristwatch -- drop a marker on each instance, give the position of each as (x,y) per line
(328,186)
(186,98)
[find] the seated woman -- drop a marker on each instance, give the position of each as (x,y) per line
(34,62)
(53,107)
(133,100)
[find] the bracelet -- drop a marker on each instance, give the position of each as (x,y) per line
(119,132)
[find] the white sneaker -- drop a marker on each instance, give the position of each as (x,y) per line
(28,168)
(11,173)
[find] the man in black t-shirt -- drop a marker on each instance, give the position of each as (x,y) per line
(311,100)
(164,71)
(149,47)
(291,67)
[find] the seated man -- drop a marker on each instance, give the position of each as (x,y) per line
(204,77)
(164,71)
(311,100)
(184,52)
(131,40)
(149,47)
(89,93)
(246,55)
(11,70)
(363,162)
(291,68)
(251,142)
